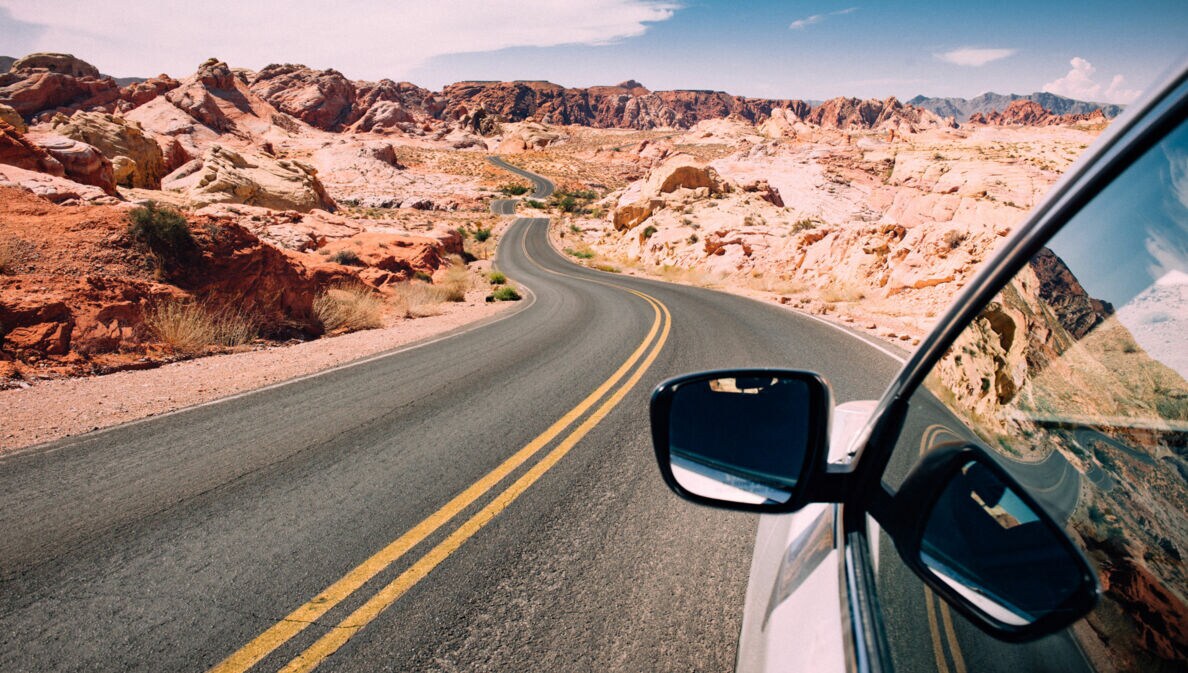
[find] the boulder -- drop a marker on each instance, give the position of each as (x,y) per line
(65,64)
(683,172)
(400,255)
(223,175)
(52,187)
(9,116)
(84,163)
(143,163)
(18,150)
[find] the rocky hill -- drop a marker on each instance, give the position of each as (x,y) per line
(1031,113)
(962,108)
(41,85)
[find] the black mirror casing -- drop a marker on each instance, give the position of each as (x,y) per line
(913,508)
(815,414)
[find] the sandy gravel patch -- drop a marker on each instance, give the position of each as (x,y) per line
(50,410)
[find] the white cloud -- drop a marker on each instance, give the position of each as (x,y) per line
(365,39)
(1080,84)
(807,21)
(968,56)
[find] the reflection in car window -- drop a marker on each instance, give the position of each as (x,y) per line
(1076,377)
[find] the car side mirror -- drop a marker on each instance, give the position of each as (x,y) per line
(980,541)
(744,439)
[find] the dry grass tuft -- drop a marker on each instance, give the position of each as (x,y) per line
(456,281)
(420,299)
(190,327)
(842,292)
(349,308)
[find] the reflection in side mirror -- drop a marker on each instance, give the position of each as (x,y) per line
(983,543)
(740,439)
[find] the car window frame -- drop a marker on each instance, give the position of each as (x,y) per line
(1145,124)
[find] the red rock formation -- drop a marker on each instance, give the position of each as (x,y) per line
(386,105)
(142,92)
(18,150)
(321,98)
(1030,113)
(84,163)
(195,96)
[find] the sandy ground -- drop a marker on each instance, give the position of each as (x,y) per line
(50,410)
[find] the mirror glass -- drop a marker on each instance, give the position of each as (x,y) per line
(740,439)
(996,551)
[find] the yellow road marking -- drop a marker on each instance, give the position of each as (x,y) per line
(352,624)
(300,618)
(937,649)
(954,648)
(927,441)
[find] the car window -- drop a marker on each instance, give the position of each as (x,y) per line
(1074,375)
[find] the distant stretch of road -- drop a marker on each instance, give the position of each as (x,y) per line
(487,500)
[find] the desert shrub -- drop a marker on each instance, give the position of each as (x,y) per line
(513,189)
(574,229)
(803,225)
(497,278)
(953,238)
(533,203)
(349,308)
(606,267)
(420,300)
(346,258)
(190,326)
(455,282)
(423,276)
(649,231)
(163,230)
(505,293)
(580,254)
(481,234)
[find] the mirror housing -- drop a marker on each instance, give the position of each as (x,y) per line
(743,439)
(977,538)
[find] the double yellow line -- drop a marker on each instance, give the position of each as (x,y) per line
(297,620)
(931,437)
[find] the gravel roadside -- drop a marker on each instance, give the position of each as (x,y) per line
(50,410)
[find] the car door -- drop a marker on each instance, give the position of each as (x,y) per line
(1068,362)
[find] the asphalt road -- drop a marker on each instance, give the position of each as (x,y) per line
(343,519)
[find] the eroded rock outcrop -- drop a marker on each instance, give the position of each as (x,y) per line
(321,98)
(83,163)
(139,157)
(18,150)
(223,175)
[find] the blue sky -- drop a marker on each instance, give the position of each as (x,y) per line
(811,50)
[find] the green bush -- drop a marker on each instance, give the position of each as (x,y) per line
(505,293)
(512,189)
(580,254)
(497,278)
(163,230)
(481,234)
(533,203)
(649,231)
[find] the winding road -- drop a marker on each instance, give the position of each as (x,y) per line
(486,500)
(483,500)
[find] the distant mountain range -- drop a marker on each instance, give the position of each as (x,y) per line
(961,108)
(6,64)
